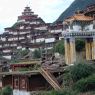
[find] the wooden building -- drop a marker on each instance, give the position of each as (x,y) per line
(80,26)
(29,31)
(23,83)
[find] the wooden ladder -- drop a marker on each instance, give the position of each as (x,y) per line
(50,78)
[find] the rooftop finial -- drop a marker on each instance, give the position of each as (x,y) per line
(28,4)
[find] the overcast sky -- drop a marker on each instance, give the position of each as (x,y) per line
(48,10)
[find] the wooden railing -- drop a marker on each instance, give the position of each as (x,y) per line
(50,78)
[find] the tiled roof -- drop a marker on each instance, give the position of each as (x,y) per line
(79,17)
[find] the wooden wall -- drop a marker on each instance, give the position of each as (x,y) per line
(7,80)
(26,82)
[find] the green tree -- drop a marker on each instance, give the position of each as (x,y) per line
(37,53)
(59,47)
(18,54)
(24,52)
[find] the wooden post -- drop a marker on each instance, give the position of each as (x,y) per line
(72,50)
(88,46)
(93,48)
(67,51)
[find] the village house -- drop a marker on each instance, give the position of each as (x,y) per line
(29,31)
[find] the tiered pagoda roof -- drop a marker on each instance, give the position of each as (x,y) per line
(28,15)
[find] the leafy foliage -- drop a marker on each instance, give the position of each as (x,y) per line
(64,92)
(37,53)
(86,84)
(18,54)
(59,47)
(7,91)
(67,80)
(81,70)
(24,52)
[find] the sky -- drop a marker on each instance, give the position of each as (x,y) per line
(48,10)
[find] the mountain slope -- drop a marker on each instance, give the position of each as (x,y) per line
(76,5)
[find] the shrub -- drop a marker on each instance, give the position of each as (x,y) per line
(7,91)
(18,54)
(59,47)
(67,80)
(37,53)
(69,92)
(86,84)
(0,92)
(81,70)
(64,92)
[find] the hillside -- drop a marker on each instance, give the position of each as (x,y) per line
(76,5)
